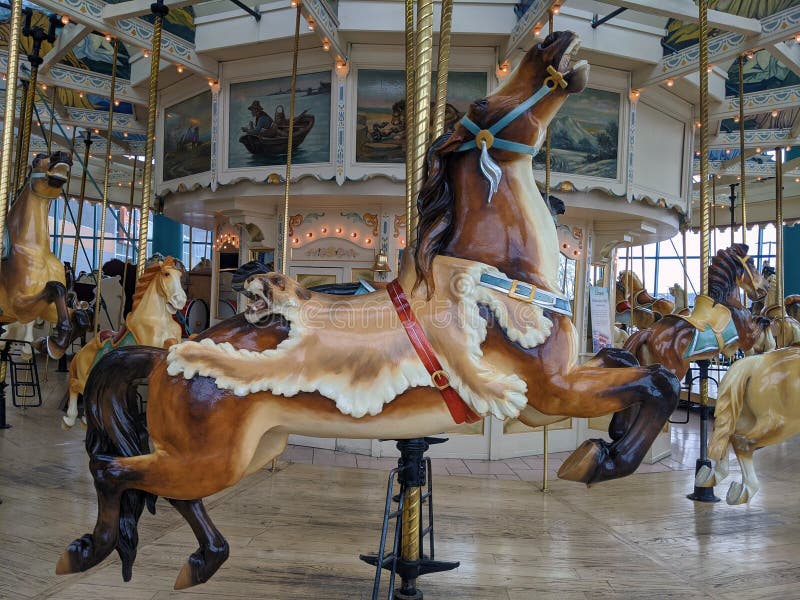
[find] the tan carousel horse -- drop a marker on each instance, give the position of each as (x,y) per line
(640,317)
(677,292)
(634,292)
(785,328)
(480,293)
(33,282)
(157,298)
(758,405)
(718,324)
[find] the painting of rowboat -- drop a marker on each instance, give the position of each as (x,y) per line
(258,121)
(380,120)
(187,137)
(585,135)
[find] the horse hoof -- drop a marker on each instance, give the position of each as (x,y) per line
(737,494)
(65,564)
(83,423)
(185,578)
(705,477)
(581,464)
(67,423)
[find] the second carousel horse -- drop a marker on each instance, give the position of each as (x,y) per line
(33,282)
(785,328)
(638,297)
(158,296)
(718,324)
(482,224)
(678,293)
(758,405)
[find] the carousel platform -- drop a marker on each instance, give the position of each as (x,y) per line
(298,532)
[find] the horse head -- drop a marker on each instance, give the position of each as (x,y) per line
(50,173)
(747,277)
(165,278)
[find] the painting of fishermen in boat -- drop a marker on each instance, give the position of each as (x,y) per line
(187,137)
(380,121)
(258,132)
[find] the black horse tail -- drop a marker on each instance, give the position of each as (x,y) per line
(116,426)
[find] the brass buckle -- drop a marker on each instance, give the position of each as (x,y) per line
(513,293)
(442,374)
(555,79)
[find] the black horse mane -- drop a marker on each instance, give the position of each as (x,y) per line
(724,269)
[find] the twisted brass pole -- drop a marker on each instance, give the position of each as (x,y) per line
(66,200)
(23,93)
(26,120)
(130,232)
(779,227)
(290,141)
(87,141)
(99,277)
(443,68)
(409,125)
(6,162)
(160,11)
(422,106)
(741,149)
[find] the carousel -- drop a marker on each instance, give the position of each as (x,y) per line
(281,277)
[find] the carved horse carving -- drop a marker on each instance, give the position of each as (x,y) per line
(206,438)
(639,317)
(637,296)
(670,341)
(785,327)
(157,297)
(677,292)
(33,283)
(758,405)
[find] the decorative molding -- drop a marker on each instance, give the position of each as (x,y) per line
(399,224)
(327,25)
(752,138)
(341,111)
(214,134)
(534,15)
(759,102)
(631,140)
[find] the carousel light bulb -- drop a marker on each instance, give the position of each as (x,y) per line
(735,119)
(758,150)
(146,53)
(179,68)
(124,134)
(354,235)
(4,76)
(326,45)
(309,235)
(402,242)
(750,55)
(670,82)
(324,230)
(710,68)
(64,20)
(311,25)
(774,113)
(537,32)
(788,148)
(293,3)
(368,240)
(698,124)
(727,150)
(797,179)
(44,86)
(97,132)
(80,94)
(116,102)
(338,230)
(211,83)
(797,39)
(556,9)
(296,241)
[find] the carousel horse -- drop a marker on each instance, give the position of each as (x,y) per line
(478,293)
(158,296)
(785,328)
(638,297)
(640,317)
(757,307)
(718,324)
(677,292)
(758,405)
(792,305)
(33,282)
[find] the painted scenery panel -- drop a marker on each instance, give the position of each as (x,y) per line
(585,135)
(380,121)
(259,121)
(187,137)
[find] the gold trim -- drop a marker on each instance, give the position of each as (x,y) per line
(290,141)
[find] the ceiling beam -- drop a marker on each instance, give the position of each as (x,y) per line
(788,55)
(137,8)
(67,38)
(134,33)
(519,40)
(686,10)
(722,49)
(759,102)
(753,138)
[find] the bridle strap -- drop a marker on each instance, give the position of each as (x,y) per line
(489,136)
(747,270)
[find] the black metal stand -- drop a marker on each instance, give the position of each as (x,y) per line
(703,494)
(3,359)
(413,470)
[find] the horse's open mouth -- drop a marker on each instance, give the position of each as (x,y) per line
(57,175)
(578,75)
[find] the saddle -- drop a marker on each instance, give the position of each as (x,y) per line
(714,327)
(115,336)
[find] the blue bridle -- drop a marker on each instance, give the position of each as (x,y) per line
(488,137)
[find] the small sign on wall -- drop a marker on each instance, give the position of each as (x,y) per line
(600,311)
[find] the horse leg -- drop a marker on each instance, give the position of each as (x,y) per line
(740,493)
(55,293)
(588,392)
(711,476)
(615,358)
(213,550)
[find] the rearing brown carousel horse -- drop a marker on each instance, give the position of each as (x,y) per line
(222,406)
(32,284)
(718,324)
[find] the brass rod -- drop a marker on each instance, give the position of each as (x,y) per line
(422,107)
(160,11)
(26,120)
(548,147)
(52,118)
(290,141)
(410,529)
(66,201)
(741,150)
(779,226)
(546,443)
(23,93)
(98,294)
(704,170)
(6,162)
(684,228)
(87,141)
(409,124)
(443,68)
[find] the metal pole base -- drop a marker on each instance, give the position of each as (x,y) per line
(411,594)
(702,494)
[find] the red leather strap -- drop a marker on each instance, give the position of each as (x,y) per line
(623,306)
(460,412)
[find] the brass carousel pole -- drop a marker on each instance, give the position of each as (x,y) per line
(52,118)
(409,125)
(100,247)
(130,234)
(87,142)
(6,162)
(704,494)
(443,68)
(66,201)
(684,228)
(23,96)
(290,141)
(741,149)
(422,107)
(160,11)
(779,240)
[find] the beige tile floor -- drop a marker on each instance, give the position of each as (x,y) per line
(297,532)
